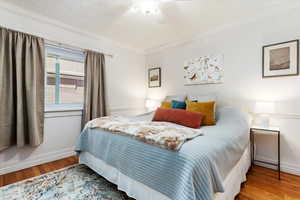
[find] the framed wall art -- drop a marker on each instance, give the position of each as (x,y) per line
(204,70)
(281,59)
(154,77)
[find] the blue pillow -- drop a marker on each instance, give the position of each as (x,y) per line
(178,104)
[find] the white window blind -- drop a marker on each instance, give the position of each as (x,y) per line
(64,77)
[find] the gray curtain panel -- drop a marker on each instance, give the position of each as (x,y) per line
(21,89)
(94,92)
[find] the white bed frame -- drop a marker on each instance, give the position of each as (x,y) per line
(139,191)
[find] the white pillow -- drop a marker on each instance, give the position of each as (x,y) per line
(202,98)
(169,98)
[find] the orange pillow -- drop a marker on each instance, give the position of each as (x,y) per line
(179,116)
(206,108)
(166,104)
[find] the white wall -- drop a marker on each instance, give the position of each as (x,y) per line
(125,76)
(60,132)
(241,46)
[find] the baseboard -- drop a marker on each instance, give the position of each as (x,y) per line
(285,167)
(37,160)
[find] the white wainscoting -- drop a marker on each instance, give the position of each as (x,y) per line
(60,134)
(16,165)
(285,167)
(266,145)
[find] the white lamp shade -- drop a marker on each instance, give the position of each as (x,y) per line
(264,107)
(151,103)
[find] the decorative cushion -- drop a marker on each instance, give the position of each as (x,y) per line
(204,98)
(179,116)
(206,108)
(166,104)
(178,104)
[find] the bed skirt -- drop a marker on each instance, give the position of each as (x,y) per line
(140,191)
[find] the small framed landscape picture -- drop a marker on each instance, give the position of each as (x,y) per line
(281,59)
(154,77)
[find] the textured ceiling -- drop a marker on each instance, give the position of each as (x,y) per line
(178,20)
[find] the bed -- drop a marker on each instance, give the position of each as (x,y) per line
(208,167)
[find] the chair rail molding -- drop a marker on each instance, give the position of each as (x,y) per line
(286,115)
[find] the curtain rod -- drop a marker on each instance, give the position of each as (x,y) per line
(71,47)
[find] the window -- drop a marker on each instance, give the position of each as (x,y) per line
(64,77)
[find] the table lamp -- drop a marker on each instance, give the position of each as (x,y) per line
(263,109)
(151,104)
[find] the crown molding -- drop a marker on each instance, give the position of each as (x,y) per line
(218,29)
(40,18)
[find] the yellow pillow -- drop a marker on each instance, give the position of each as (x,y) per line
(206,108)
(166,104)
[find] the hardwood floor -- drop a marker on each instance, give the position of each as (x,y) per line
(262,183)
(36,170)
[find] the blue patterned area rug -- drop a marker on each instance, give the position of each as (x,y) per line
(75,182)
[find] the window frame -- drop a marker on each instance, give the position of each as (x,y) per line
(60,107)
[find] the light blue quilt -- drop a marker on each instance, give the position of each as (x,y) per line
(195,172)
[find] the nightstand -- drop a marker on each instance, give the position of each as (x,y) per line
(269,131)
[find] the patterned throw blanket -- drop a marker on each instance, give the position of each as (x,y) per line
(160,134)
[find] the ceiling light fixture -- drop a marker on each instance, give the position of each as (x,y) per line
(147,7)
(150,7)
